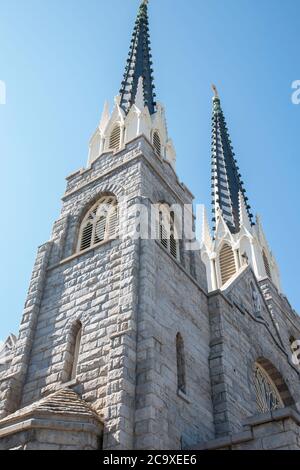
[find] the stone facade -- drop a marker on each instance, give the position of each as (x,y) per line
(138,342)
(132,298)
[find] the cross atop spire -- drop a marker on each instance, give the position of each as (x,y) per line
(139,64)
(227,186)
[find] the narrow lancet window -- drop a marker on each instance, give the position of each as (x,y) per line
(181,383)
(73,351)
(167,231)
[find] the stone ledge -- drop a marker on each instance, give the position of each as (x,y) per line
(44,423)
(75,173)
(183,396)
(276,415)
(9,376)
(258,419)
(226,441)
(82,253)
(120,333)
(247,434)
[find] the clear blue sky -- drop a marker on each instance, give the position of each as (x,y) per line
(60,59)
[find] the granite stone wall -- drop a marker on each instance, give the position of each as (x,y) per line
(132,298)
(239,338)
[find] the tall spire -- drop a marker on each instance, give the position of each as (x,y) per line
(139,64)
(227,186)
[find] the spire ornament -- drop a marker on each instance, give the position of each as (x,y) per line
(104,117)
(214,89)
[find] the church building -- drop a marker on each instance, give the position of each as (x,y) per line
(137,341)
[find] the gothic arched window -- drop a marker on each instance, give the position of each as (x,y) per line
(115,138)
(73,350)
(167,231)
(99,224)
(156,143)
(267,265)
(267,395)
(181,384)
(227,263)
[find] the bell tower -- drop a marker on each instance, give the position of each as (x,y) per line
(135,110)
(235,241)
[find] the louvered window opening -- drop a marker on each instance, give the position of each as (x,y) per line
(157,143)
(267,265)
(227,263)
(267,394)
(99,224)
(115,137)
(166,233)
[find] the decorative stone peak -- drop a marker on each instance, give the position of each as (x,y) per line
(105,117)
(139,97)
(206,238)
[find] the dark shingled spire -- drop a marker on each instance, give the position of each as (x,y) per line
(139,64)
(226,179)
